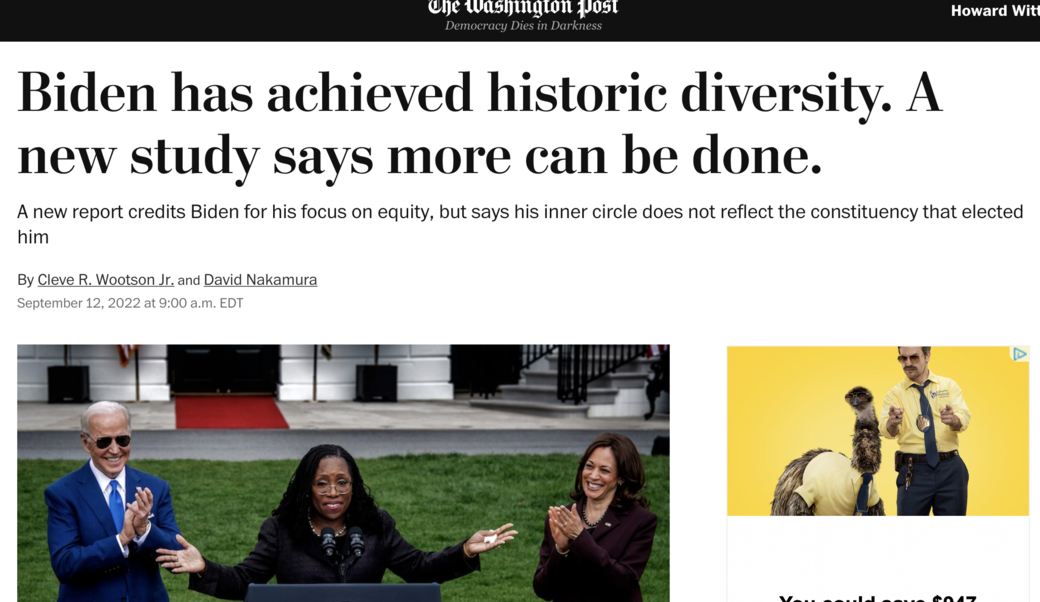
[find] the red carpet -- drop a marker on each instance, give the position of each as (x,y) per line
(228,413)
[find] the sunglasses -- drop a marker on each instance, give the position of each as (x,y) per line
(858,397)
(913,359)
(105,442)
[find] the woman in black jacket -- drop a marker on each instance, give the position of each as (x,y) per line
(327,492)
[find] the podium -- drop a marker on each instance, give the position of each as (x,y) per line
(345,592)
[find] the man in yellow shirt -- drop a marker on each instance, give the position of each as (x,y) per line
(926,413)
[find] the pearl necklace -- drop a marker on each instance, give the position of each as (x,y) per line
(585,518)
(315,531)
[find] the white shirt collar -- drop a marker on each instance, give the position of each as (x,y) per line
(103,479)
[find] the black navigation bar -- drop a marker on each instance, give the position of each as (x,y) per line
(534,21)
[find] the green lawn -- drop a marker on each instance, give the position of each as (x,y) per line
(437,501)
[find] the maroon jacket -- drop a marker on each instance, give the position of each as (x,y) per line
(604,564)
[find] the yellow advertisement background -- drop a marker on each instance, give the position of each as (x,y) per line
(784,401)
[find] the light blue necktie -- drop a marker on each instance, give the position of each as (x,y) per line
(930,449)
(115,505)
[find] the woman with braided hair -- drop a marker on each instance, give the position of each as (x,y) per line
(327,495)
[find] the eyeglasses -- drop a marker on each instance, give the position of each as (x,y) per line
(324,487)
(913,359)
(105,442)
(858,397)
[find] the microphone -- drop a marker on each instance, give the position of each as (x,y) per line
(328,541)
(357,544)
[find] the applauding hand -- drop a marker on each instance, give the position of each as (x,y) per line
(565,526)
(141,508)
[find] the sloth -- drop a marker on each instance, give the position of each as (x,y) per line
(827,483)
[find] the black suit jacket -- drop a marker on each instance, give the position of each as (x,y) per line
(604,564)
(277,555)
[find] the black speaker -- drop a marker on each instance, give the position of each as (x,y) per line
(68,384)
(376,383)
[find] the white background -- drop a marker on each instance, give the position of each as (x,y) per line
(701,286)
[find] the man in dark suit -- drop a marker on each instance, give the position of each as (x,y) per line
(105,520)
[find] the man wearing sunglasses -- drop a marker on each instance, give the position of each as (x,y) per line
(926,414)
(105,520)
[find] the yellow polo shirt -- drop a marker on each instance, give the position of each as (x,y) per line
(941,392)
(832,484)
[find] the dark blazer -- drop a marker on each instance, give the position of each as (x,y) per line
(277,555)
(81,537)
(604,564)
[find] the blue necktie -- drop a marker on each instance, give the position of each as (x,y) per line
(864,494)
(115,505)
(930,449)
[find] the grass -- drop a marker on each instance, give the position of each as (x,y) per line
(437,501)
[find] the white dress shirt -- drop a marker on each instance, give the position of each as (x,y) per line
(106,490)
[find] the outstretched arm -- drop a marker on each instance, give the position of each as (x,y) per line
(892,415)
(186,560)
(956,413)
(486,540)
(416,566)
(227,582)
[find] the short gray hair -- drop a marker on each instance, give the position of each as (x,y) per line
(102,407)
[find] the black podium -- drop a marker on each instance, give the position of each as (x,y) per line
(346,592)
